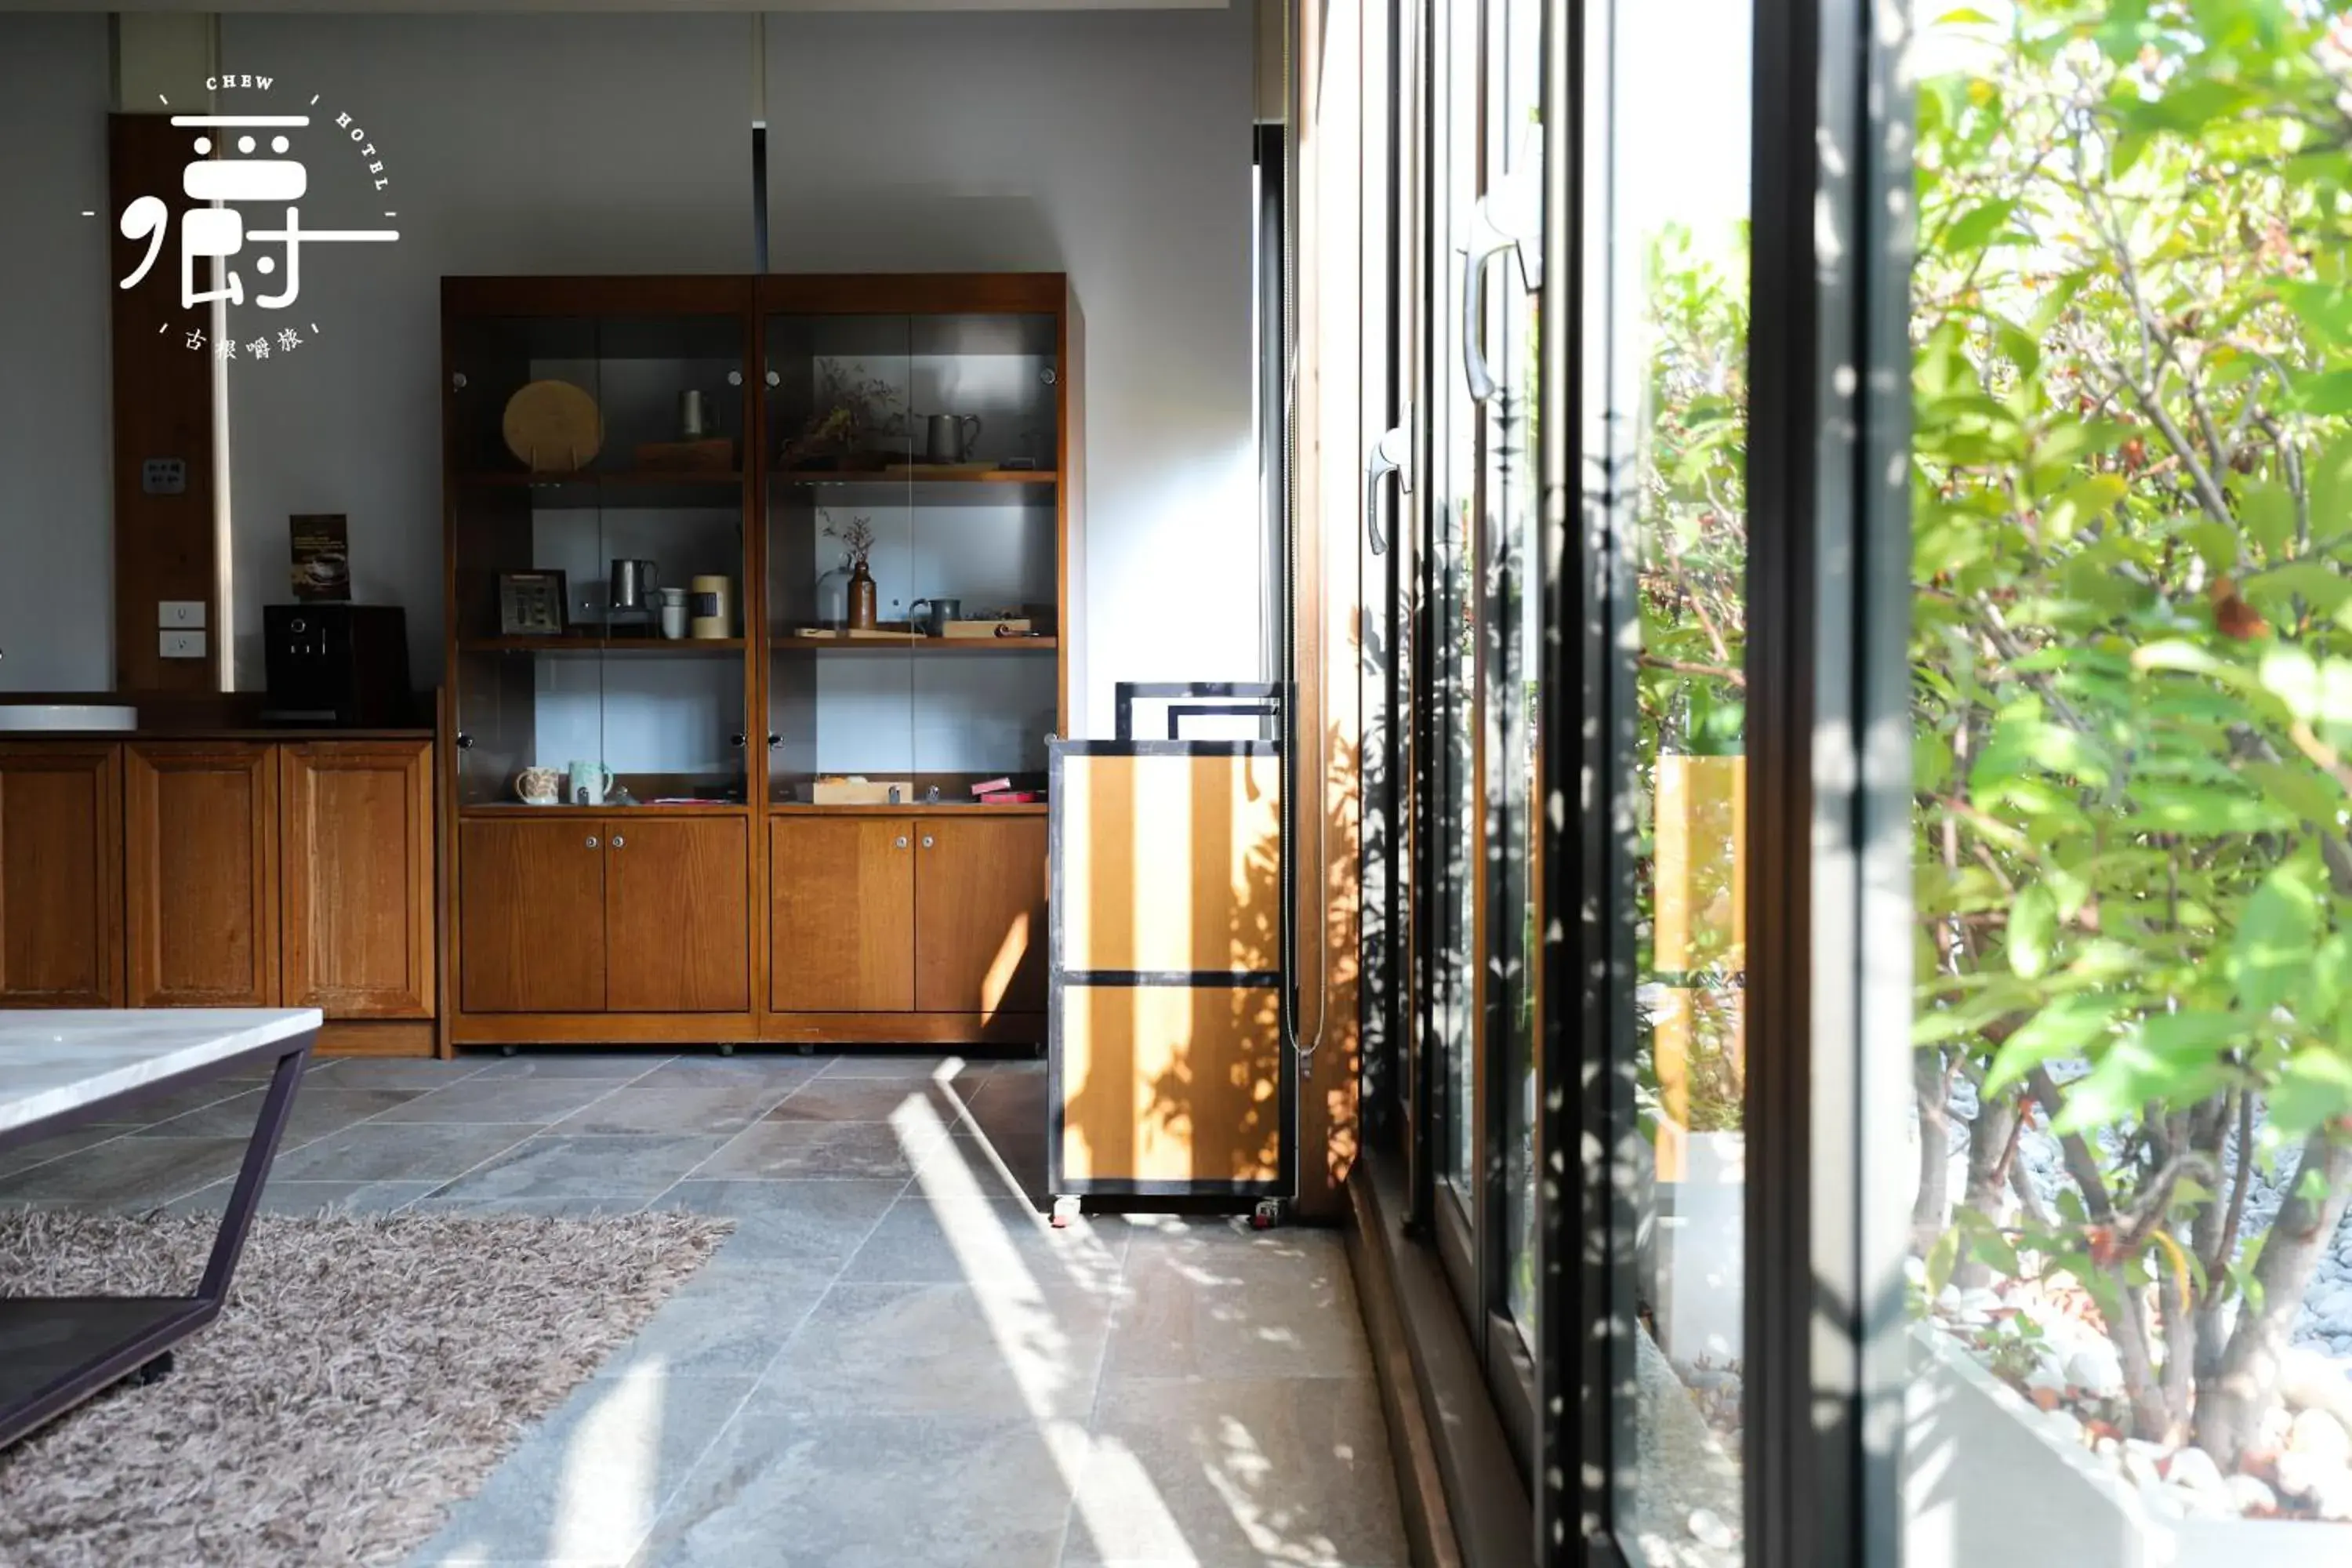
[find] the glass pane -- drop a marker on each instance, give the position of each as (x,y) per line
(1515,147)
(1678,365)
(599,462)
(1458,808)
(2132,1294)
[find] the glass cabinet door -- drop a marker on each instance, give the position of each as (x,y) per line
(598,564)
(912,558)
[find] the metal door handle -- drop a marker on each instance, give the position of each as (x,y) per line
(1390,453)
(592,841)
(927,841)
(901,844)
(619,842)
(1508,217)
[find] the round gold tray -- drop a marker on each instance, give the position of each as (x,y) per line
(553,427)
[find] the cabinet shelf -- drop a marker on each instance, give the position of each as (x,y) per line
(652,647)
(914,477)
(650,489)
(515,808)
(911,643)
(909,808)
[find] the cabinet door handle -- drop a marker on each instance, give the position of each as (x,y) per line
(735,739)
(928,841)
(775,740)
(619,842)
(592,841)
(902,841)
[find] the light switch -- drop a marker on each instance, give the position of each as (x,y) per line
(183,644)
(181,614)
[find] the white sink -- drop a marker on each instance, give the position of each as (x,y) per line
(22,716)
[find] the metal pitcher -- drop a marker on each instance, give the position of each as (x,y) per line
(634,582)
(932,616)
(947,439)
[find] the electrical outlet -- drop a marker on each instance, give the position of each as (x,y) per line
(183,644)
(181,614)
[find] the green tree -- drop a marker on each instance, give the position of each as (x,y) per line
(2133,665)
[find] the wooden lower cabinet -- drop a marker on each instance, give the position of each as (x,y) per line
(980,915)
(530,915)
(201,874)
(60,875)
(356,851)
(678,929)
(842,914)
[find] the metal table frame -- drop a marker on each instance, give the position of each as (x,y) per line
(152,1325)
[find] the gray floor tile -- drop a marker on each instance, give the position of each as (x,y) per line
(867,1492)
(318,1110)
(1007,1163)
(572,1063)
(901,1068)
(722,1322)
(585,1487)
(386,1152)
(968,1239)
(438,1202)
(127,1172)
(862,1100)
(1267,1471)
(186,1097)
(312,1197)
(983,1349)
(638,1108)
(814,1150)
(638,1168)
(1221,1306)
(811,1228)
(56,1146)
(723,1072)
(402,1072)
(483,1098)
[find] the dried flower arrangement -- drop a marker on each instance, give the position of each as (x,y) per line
(857,537)
(856,419)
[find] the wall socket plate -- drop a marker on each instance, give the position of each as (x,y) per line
(179,614)
(164,477)
(182,645)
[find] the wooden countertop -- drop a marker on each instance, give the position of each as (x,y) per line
(294,733)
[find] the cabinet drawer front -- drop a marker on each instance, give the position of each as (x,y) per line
(358,860)
(201,887)
(1169,1086)
(980,915)
(60,876)
(1170,863)
(530,915)
(677,925)
(842,917)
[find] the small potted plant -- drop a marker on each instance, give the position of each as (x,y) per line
(858,540)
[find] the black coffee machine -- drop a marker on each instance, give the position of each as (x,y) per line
(340,665)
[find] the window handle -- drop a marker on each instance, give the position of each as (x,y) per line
(1390,453)
(1508,217)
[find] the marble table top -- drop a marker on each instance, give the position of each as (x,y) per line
(52,1062)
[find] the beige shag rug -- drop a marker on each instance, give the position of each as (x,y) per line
(366,1374)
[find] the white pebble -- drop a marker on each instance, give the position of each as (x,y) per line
(2321,1437)
(2250,1496)
(2096,1370)
(1707,1528)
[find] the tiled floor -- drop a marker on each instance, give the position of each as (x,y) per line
(892,1361)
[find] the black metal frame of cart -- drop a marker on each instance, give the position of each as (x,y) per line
(99,1340)
(1230,698)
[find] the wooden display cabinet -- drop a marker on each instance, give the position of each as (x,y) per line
(201,892)
(919,919)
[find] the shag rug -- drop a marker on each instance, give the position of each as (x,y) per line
(366,1374)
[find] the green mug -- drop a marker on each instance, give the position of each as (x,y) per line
(589,783)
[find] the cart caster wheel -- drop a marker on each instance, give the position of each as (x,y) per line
(1037,1052)
(806,1051)
(506,1050)
(154,1371)
(1065,1210)
(1266,1215)
(726,1050)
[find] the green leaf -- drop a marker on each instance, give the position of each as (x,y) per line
(2082,504)
(2315,1089)
(2067,1026)
(2032,931)
(2267,509)
(2277,932)
(1941,1259)
(2330,392)
(1972,229)
(2299,788)
(2321,587)
(2197,810)
(2216,544)
(2327,483)
(2169,1058)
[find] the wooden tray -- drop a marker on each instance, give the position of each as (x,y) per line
(717,455)
(553,427)
(937,470)
(985,630)
(888,632)
(859,792)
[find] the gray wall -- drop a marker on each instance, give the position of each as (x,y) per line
(56,570)
(1114,147)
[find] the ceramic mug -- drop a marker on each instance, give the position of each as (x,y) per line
(589,783)
(673,613)
(539,786)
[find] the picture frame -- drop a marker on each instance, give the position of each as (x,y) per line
(531,605)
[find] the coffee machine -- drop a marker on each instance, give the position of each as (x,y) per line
(336,664)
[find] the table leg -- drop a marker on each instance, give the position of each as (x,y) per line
(56,1352)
